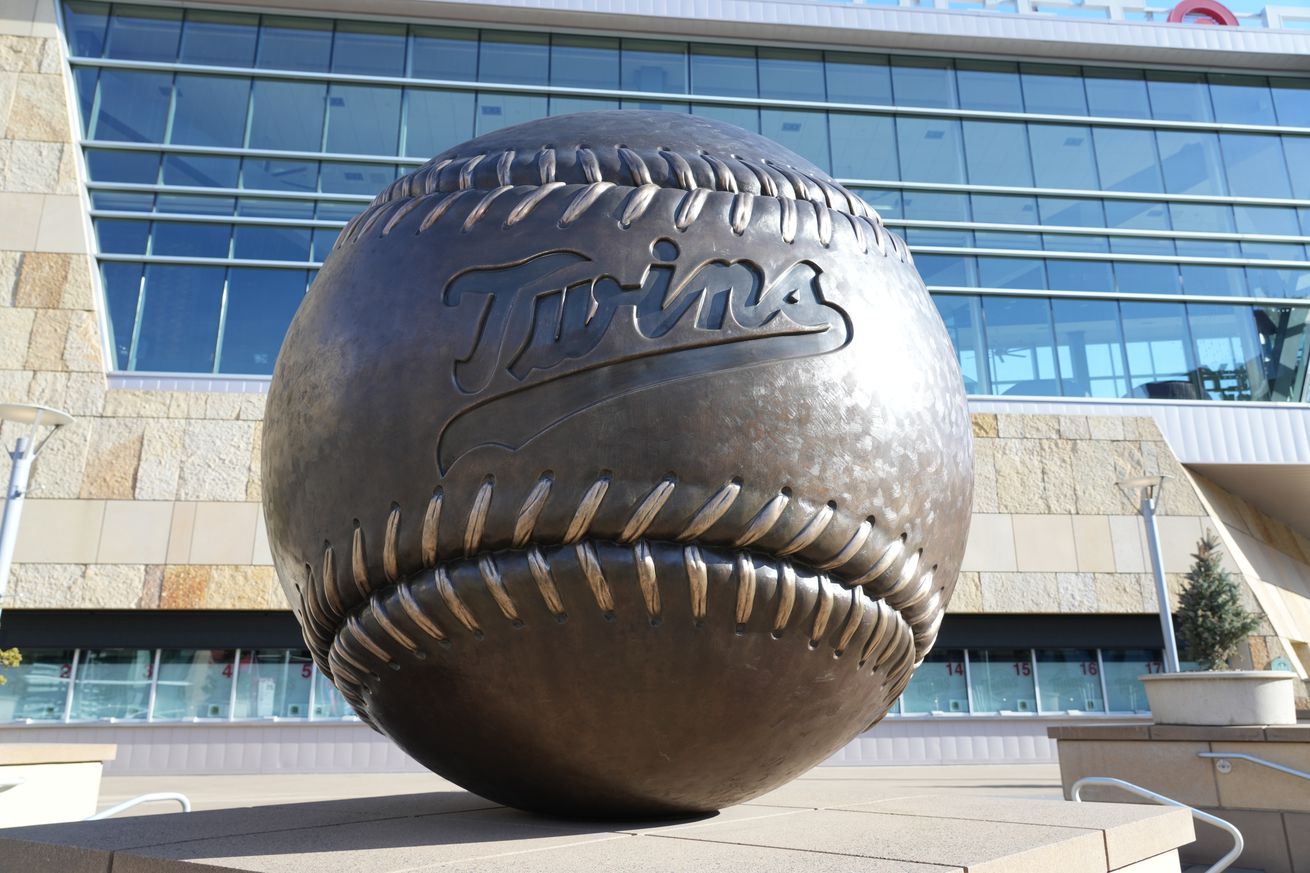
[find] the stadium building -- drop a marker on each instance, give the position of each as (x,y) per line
(1109,201)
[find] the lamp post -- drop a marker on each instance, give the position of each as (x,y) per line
(1148,490)
(23,455)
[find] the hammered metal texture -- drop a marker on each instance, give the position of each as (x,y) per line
(618,464)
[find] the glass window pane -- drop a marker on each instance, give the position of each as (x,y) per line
(201,171)
(1254,164)
(221,39)
(122,283)
(654,67)
(1266,219)
(1292,101)
(274,683)
(997,153)
(1179,96)
(1053,90)
(84,82)
(266,174)
(962,316)
(436,120)
(1001,680)
(584,61)
(193,204)
(724,70)
(443,53)
(1122,667)
(260,304)
(1159,350)
(956,271)
(1020,346)
(323,240)
(1063,156)
(930,149)
(1117,93)
(37,688)
(193,683)
(565,105)
(1026,273)
(144,33)
(989,85)
(1228,353)
(863,146)
(1147,278)
(1269,282)
(1242,99)
(938,685)
(1071,212)
(294,43)
(122,237)
(261,208)
(803,131)
(179,319)
(257,242)
(1201,217)
(363,120)
(1070,680)
(1091,348)
(923,82)
(1004,208)
(1297,149)
(105,165)
(133,106)
(1285,346)
(190,239)
(791,74)
(745,117)
(495,111)
(522,58)
(210,111)
(343,178)
(113,683)
(936,206)
(369,48)
(858,78)
(1191,162)
(1209,279)
(1138,215)
(84,26)
(1126,159)
(328,702)
(287,115)
(1071,275)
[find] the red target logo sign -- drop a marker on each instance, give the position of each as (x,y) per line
(1202,12)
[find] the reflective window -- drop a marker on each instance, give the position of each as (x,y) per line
(791,74)
(294,43)
(997,153)
(113,166)
(204,171)
(220,39)
(1159,353)
(1297,149)
(210,111)
(113,683)
(1179,96)
(1053,90)
(1292,101)
(1122,667)
(1242,99)
(1062,156)
(268,174)
(1021,346)
(923,82)
(802,131)
(260,304)
(133,106)
(1227,353)
(122,237)
(1001,680)
(1090,347)
(363,119)
(37,689)
(989,85)
(122,287)
(179,319)
(724,70)
(858,78)
(1070,680)
(1079,275)
(1191,162)
(436,120)
(369,48)
(863,146)
(1025,273)
(287,115)
(193,684)
(506,56)
(962,316)
(84,27)
(144,33)
(938,685)
(584,61)
(273,683)
(1117,93)
(1137,277)
(1126,159)
(747,118)
(1004,208)
(654,67)
(1285,345)
(930,149)
(1254,164)
(443,53)
(495,111)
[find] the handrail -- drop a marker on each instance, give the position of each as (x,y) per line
(144,798)
(1219,866)
(1242,756)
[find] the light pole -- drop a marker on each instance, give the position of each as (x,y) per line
(24,453)
(1148,490)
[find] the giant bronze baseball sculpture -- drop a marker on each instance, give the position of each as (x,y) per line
(618,464)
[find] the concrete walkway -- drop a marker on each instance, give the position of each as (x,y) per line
(826,785)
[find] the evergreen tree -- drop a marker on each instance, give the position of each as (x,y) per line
(1211,620)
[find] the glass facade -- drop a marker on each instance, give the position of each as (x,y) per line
(1086,231)
(77,685)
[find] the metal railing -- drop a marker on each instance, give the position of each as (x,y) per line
(1221,764)
(1222,864)
(114,810)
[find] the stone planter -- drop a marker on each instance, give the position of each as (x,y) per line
(1235,697)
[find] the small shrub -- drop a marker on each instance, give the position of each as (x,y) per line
(9,658)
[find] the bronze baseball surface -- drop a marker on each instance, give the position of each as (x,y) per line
(618,464)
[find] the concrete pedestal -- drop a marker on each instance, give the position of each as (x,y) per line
(820,825)
(50,782)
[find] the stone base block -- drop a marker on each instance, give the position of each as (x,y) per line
(783,831)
